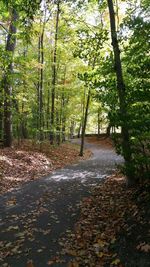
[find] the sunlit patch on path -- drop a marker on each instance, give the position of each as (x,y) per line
(36,218)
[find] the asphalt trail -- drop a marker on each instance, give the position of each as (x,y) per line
(35,218)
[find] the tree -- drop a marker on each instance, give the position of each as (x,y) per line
(54,73)
(7,79)
(126,147)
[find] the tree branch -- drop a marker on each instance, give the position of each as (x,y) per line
(4,28)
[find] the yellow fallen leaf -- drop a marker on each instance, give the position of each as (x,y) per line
(101,254)
(115,262)
(73,264)
(50,262)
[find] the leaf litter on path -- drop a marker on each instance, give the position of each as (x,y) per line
(110,211)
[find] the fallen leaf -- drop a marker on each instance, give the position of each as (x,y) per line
(115,262)
(30,264)
(143,247)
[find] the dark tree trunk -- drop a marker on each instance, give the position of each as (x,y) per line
(64,102)
(92,63)
(54,74)
(38,84)
(121,93)
(99,122)
(23,122)
(1,112)
(40,117)
(79,130)
(58,135)
(84,123)
(48,107)
(41,85)
(7,79)
(108,130)
(63,116)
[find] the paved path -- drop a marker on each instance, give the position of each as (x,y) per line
(34,218)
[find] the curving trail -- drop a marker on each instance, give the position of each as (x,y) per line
(34,218)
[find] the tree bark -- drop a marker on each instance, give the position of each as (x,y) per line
(84,123)
(40,118)
(126,148)
(41,84)
(98,123)
(108,130)
(79,130)
(7,79)
(1,112)
(54,74)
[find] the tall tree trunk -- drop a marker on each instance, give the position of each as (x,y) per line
(92,64)
(41,84)
(40,117)
(54,74)
(7,79)
(64,101)
(63,118)
(1,112)
(23,122)
(38,85)
(84,123)
(122,95)
(48,107)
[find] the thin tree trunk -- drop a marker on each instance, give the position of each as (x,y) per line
(54,74)
(87,107)
(63,118)
(121,93)
(48,107)
(1,113)
(63,105)
(41,84)
(23,122)
(79,130)
(40,117)
(98,122)
(7,80)
(38,85)
(84,123)
(108,130)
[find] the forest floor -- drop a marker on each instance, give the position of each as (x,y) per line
(80,216)
(28,161)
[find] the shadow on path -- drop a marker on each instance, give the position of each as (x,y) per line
(35,217)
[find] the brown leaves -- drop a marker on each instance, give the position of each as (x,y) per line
(73,264)
(97,228)
(103,216)
(30,264)
(55,260)
(144,247)
(31,161)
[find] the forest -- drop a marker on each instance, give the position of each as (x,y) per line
(74,74)
(59,72)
